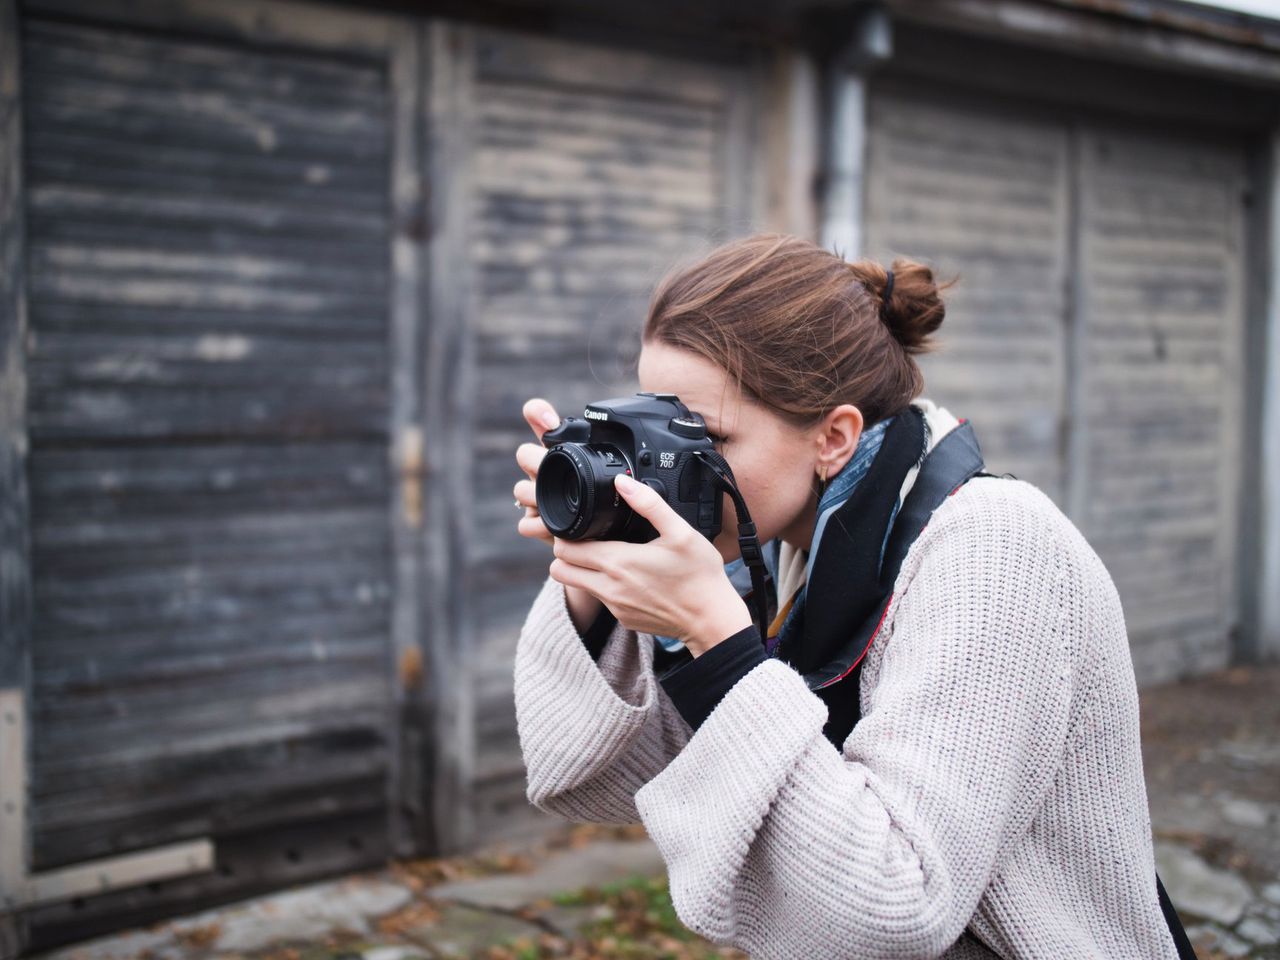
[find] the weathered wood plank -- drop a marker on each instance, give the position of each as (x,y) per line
(144,208)
(555,62)
(210,486)
(71,50)
(344,33)
(96,667)
(326,183)
(361,323)
(330,785)
(289,698)
(85,413)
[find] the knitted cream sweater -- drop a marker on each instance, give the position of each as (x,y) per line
(989,803)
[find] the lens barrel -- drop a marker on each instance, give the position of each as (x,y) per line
(575,492)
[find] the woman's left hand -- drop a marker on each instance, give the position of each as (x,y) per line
(674,585)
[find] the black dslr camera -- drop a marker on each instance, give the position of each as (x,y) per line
(653,438)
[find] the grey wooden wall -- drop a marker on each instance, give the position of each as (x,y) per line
(292,272)
(1162,384)
(983,195)
(594,171)
(1095,336)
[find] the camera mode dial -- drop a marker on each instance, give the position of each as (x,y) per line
(686,427)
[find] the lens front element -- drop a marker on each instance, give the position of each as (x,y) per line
(575,492)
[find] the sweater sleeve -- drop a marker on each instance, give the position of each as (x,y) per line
(783,846)
(591,732)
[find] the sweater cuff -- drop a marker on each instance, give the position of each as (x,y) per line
(696,687)
(597,634)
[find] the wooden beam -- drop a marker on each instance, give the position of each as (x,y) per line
(742,190)
(1260,520)
(15,566)
(410,827)
(1232,393)
(1073,431)
(1097,34)
(790,143)
(448,391)
(1066,83)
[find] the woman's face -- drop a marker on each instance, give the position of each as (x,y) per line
(775,465)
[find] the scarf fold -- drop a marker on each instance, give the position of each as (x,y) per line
(788,570)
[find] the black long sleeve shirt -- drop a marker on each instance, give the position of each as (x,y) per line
(694,684)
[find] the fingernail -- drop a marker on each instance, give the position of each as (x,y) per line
(625,482)
(550,420)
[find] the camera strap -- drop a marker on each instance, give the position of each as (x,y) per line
(748,539)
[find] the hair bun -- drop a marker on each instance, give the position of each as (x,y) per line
(913,308)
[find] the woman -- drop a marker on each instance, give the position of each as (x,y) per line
(989,799)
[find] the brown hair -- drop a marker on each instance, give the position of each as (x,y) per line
(799,329)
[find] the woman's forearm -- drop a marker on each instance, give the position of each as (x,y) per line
(591,732)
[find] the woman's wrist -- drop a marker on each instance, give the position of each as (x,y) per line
(583,607)
(724,620)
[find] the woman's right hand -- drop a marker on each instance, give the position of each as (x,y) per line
(541,416)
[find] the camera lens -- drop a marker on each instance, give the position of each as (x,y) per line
(575,492)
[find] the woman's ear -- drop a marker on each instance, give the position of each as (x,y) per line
(838,437)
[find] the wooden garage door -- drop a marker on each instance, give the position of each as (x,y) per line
(1094,338)
(208,373)
(984,195)
(1161,236)
(594,170)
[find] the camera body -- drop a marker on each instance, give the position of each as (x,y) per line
(652,437)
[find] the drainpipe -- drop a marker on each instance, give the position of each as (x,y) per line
(871,46)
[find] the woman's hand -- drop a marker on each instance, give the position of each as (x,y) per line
(674,585)
(541,416)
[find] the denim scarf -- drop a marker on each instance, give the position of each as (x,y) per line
(839,488)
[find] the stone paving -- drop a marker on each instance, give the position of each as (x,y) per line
(403,912)
(1212,759)
(1211,753)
